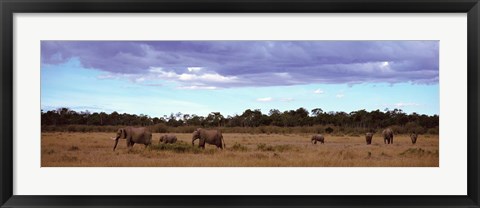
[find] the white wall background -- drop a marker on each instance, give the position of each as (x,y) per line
(449,178)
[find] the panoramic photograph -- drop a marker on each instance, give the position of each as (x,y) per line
(229,103)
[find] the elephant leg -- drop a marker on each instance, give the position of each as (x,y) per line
(392,140)
(315,142)
(130,145)
(219,144)
(202,143)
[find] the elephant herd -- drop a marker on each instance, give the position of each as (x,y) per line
(387,137)
(142,135)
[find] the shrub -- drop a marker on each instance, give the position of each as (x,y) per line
(315,129)
(282,148)
(238,147)
(397,129)
(179,147)
(264,147)
(329,130)
(415,151)
(159,128)
(71,128)
(66,158)
(278,148)
(320,130)
(433,130)
(183,129)
(411,127)
(81,128)
(73,148)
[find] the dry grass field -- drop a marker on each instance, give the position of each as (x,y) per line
(243,150)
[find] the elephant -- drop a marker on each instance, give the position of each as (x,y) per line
(318,138)
(368,137)
(214,137)
(133,135)
(168,138)
(413,137)
(387,136)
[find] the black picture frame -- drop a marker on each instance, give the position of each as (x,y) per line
(9,7)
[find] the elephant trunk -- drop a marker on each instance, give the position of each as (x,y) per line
(116,142)
(193,141)
(223,142)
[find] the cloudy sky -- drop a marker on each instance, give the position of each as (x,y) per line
(157,78)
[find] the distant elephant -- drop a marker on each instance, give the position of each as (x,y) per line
(368,137)
(214,137)
(318,138)
(387,136)
(413,137)
(168,138)
(133,135)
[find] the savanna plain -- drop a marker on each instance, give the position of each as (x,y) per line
(95,149)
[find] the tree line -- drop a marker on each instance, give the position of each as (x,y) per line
(249,118)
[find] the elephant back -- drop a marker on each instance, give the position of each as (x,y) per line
(211,136)
(318,137)
(387,132)
(140,135)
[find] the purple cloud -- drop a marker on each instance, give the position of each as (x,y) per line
(223,64)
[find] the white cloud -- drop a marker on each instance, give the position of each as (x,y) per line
(194,69)
(186,77)
(318,91)
(287,99)
(140,79)
(161,73)
(386,61)
(197,87)
(106,76)
(400,105)
(153,84)
(282,74)
(266,99)
(205,77)
(216,78)
(136,78)
(340,95)
(384,64)
(156,69)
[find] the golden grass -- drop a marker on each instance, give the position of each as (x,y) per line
(243,150)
